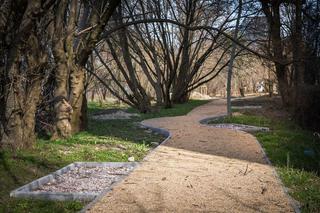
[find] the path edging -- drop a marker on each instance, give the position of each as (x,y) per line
(27,190)
(294,203)
(161,131)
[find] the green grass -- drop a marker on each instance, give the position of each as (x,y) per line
(285,146)
(112,140)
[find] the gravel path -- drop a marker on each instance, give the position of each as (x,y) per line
(200,169)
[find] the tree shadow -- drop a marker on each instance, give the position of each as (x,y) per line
(7,168)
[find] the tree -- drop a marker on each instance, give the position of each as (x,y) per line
(232,58)
(72,47)
(23,64)
(28,45)
(172,56)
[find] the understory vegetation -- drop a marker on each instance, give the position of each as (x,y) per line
(294,152)
(104,141)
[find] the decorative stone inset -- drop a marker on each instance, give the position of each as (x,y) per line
(247,107)
(77,181)
(241,127)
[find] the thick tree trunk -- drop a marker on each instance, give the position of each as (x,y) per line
(23,61)
(180,97)
(13,113)
(159,95)
(301,106)
(77,94)
(62,109)
(180,86)
(166,97)
(284,89)
(23,95)
(273,16)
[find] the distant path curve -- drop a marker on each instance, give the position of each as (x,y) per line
(200,169)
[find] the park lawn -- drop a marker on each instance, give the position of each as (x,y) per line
(112,140)
(285,146)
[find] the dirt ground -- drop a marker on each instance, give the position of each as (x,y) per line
(200,169)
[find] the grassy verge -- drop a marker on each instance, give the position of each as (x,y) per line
(294,152)
(113,140)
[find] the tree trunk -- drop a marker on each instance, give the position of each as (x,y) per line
(22,71)
(300,108)
(273,16)
(62,109)
(180,86)
(23,95)
(180,98)
(232,58)
(283,84)
(77,95)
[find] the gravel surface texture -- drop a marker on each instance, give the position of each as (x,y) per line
(241,127)
(115,115)
(86,179)
(246,107)
(199,169)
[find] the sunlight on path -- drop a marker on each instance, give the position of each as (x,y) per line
(200,169)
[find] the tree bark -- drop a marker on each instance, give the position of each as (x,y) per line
(78,99)
(232,58)
(272,13)
(23,71)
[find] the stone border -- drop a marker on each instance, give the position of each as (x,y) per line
(168,135)
(241,127)
(161,131)
(293,202)
(205,121)
(247,107)
(250,129)
(26,191)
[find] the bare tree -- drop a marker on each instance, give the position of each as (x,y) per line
(232,58)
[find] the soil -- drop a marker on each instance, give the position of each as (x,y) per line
(200,169)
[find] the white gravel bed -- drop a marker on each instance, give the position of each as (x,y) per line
(247,107)
(116,115)
(85,179)
(242,127)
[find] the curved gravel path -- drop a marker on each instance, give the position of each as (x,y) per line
(200,169)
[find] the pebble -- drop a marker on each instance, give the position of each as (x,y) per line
(154,144)
(85,179)
(117,115)
(131,159)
